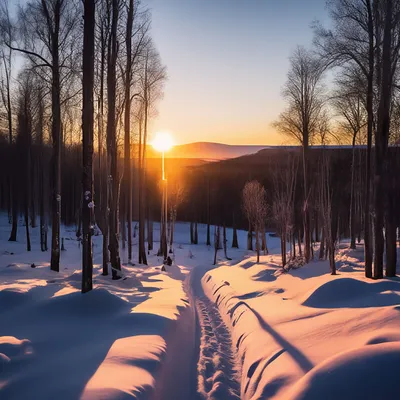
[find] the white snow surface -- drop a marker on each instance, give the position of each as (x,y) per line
(260,333)
(307,334)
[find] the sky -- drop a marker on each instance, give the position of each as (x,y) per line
(227,61)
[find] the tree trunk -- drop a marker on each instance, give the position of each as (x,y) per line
(283,250)
(352,201)
(191,233)
(322,246)
(264,241)
(391,245)
(250,238)
(14,227)
(196,236)
(391,221)
(28,237)
(299,243)
(208,213)
(235,243)
(216,243)
(381,143)
(127,128)
(316,226)
(225,243)
(112,145)
(258,244)
(294,245)
(171,238)
(306,210)
(370,111)
(150,244)
(42,183)
(57,141)
(87,133)
(332,264)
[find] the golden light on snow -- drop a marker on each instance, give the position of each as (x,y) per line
(162,142)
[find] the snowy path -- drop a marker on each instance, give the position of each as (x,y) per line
(218,369)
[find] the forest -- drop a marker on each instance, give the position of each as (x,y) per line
(253,272)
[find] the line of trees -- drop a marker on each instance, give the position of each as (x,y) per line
(362,49)
(52,67)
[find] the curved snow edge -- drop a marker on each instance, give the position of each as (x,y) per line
(267,368)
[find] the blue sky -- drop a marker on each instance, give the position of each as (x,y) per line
(227,61)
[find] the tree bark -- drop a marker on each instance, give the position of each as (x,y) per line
(216,243)
(370,111)
(235,243)
(87,133)
(191,233)
(196,236)
(127,128)
(352,202)
(14,226)
(250,238)
(381,143)
(112,144)
(57,141)
(306,210)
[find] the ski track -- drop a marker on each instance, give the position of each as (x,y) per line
(218,368)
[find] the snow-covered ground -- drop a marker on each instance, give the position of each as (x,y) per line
(242,330)
(309,335)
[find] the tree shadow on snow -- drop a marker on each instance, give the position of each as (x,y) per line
(70,337)
(301,359)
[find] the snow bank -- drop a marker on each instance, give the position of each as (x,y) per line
(132,338)
(289,327)
(368,373)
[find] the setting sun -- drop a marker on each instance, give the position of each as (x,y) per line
(162,142)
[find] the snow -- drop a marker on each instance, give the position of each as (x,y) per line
(108,343)
(310,327)
(260,332)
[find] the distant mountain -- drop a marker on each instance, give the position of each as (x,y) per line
(209,151)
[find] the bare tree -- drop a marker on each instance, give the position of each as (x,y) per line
(87,130)
(151,80)
(282,207)
(217,240)
(303,93)
(112,155)
(176,197)
(103,25)
(136,40)
(7,36)
(352,41)
(387,67)
(255,208)
(349,104)
(327,215)
(23,162)
(46,34)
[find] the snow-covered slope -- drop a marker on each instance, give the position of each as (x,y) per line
(259,332)
(108,343)
(307,327)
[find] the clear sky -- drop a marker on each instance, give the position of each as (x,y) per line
(227,62)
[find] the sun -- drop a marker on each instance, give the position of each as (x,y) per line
(162,142)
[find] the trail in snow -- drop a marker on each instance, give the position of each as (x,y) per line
(218,370)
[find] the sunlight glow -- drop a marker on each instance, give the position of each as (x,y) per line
(162,142)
